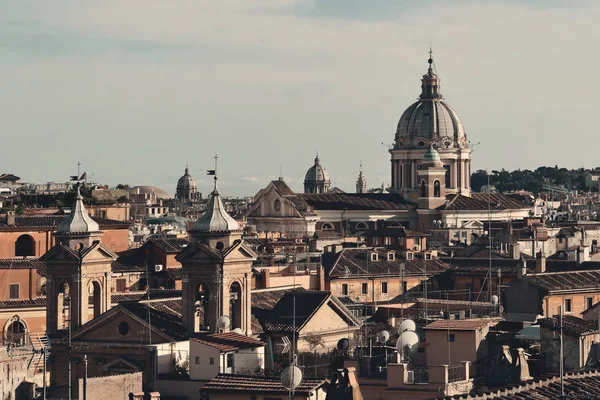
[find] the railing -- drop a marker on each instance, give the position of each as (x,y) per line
(456,373)
(18,339)
(418,375)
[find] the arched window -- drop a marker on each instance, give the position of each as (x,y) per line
(235,296)
(423,189)
(436,189)
(25,246)
(15,332)
(202,306)
(327,226)
(447,176)
(362,226)
(96,292)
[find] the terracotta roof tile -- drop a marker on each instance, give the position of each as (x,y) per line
(356,201)
(571,325)
(460,324)
(258,385)
(37,302)
(48,221)
(356,262)
(567,280)
(229,341)
(479,201)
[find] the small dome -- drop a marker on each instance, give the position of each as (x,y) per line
(78,221)
(431,155)
(316,173)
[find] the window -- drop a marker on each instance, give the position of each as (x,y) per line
(447,176)
(423,189)
(568,305)
(436,189)
(229,360)
(589,302)
(373,256)
(375,241)
(451,337)
(387,241)
(344,289)
(428,256)
(121,285)
(211,361)
(25,246)
(277,205)
(410,255)
(327,227)
(123,328)
(391,256)
(384,287)
(404,286)
(365,288)
(197,360)
(362,226)
(14,291)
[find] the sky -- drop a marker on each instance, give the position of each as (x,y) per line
(138,89)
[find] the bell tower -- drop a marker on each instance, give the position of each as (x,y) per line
(78,266)
(217,270)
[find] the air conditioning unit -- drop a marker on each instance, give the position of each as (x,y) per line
(417,247)
(410,377)
(158,268)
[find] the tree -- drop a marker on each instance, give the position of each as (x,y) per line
(122,186)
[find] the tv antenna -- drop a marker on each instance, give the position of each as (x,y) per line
(38,347)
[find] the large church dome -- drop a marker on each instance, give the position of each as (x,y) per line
(430,121)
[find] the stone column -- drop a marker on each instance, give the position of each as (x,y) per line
(187,306)
(77,303)
(51,306)
(247,306)
(453,174)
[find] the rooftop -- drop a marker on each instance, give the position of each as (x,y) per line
(459,324)
(229,341)
(229,383)
(482,201)
(567,280)
(571,325)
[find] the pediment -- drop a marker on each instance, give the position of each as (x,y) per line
(198,252)
(120,365)
(59,253)
(99,253)
(240,251)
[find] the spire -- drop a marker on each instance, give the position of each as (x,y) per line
(430,84)
(215,218)
(78,221)
(187,170)
(361,182)
(317,160)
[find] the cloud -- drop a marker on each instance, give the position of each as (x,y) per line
(137,89)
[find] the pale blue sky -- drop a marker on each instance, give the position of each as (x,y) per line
(138,89)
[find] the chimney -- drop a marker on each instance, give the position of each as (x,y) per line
(266,278)
(522,271)
(516,251)
(540,263)
(10,218)
(321,276)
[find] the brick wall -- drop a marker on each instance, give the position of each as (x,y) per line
(115,387)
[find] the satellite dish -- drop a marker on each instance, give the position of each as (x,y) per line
(407,325)
(495,299)
(224,322)
(343,344)
(238,330)
(407,343)
(291,377)
(383,337)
